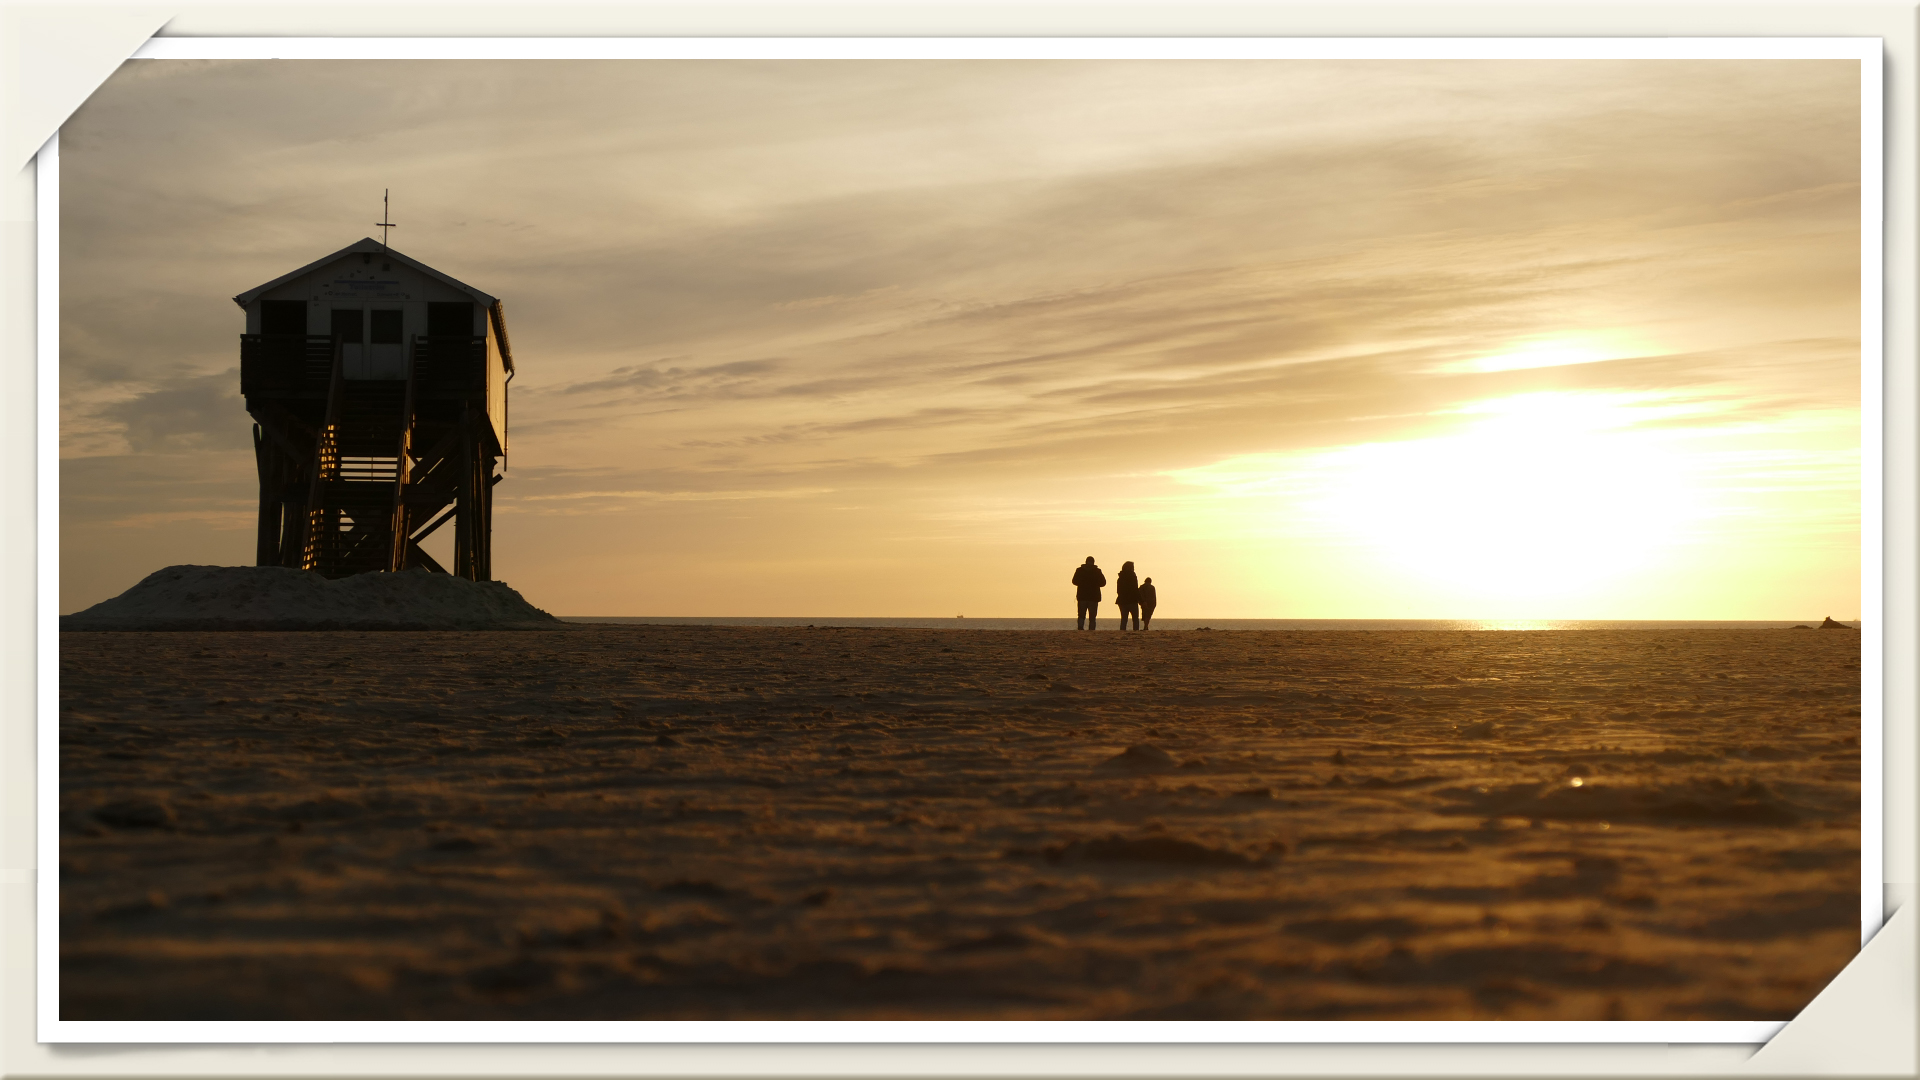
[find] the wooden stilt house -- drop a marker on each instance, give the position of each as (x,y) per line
(378,389)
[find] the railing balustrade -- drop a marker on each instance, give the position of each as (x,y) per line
(301,365)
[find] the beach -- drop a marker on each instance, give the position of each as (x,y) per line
(712,822)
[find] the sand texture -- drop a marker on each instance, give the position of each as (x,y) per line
(730,823)
(279,598)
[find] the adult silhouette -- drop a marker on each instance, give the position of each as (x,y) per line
(1087,580)
(1149,599)
(1126,593)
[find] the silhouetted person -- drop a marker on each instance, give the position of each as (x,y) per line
(1088,579)
(1126,593)
(1149,599)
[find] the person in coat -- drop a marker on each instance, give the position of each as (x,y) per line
(1149,598)
(1087,580)
(1126,593)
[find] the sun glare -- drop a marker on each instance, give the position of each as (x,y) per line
(1549,495)
(1536,504)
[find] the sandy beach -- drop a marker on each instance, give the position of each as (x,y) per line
(607,822)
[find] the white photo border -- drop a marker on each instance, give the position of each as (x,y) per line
(1867,50)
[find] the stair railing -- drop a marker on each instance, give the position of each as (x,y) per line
(326,462)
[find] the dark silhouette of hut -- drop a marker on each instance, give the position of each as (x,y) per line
(378,389)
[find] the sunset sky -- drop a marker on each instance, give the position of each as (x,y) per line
(1302,339)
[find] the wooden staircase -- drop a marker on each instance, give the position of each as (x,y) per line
(352,509)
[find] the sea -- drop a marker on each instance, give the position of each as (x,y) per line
(1112,623)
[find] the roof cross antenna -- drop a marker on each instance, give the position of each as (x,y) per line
(385,212)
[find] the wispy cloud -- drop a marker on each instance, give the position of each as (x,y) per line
(873,304)
(664,381)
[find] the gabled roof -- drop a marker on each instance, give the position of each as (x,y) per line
(372,247)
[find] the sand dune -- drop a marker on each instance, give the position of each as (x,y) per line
(632,822)
(281,598)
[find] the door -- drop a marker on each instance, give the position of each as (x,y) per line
(387,357)
(348,326)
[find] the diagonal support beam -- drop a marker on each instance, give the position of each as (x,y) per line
(417,556)
(440,448)
(294,438)
(444,516)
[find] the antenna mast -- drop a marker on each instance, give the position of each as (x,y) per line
(385,195)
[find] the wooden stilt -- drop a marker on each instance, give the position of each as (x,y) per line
(266,460)
(403,466)
(485,531)
(463,498)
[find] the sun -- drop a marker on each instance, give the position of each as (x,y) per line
(1536,497)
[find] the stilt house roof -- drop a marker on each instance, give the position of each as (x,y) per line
(369,246)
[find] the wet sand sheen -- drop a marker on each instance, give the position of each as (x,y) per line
(721,822)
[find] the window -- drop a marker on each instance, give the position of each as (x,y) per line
(346,324)
(449,320)
(283,316)
(386,328)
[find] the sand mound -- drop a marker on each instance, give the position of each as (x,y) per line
(278,598)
